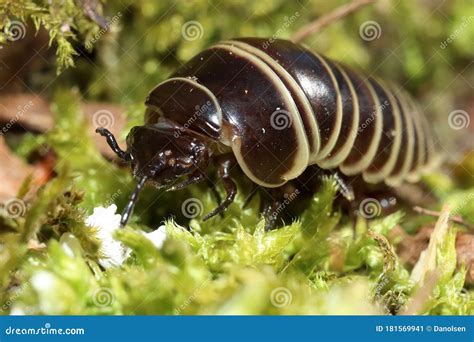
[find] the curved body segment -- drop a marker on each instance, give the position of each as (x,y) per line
(280,107)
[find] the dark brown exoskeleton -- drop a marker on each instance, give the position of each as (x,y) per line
(274,109)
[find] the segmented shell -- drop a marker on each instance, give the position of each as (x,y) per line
(281,107)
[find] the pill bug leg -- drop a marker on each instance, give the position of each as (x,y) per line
(271,204)
(371,201)
(214,191)
(251,195)
(344,188)
(194,178)
(278,204)
(270,214)
(224,165)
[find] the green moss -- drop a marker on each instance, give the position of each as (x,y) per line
(65,22)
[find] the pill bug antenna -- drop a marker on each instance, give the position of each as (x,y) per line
(113,144)
(132,200)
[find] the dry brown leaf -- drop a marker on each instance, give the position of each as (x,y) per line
(34,114)
(13,172)
(411,246)
(29,111)
(465,254)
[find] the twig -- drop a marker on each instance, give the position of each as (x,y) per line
(325,20)
(455,218)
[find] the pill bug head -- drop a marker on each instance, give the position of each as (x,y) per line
(160,154)
(164,152)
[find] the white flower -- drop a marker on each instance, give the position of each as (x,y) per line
(107,222)
(104,218)
(17,311)
(157,237)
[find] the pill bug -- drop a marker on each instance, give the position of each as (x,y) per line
(274,109)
